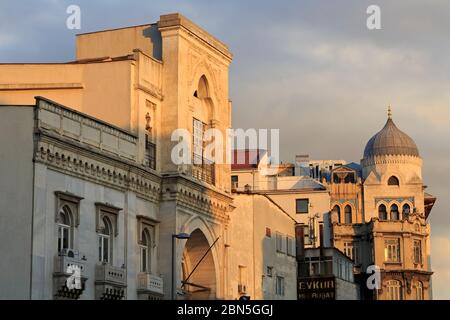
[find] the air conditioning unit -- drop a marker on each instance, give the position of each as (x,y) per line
(242,288)
(71,253)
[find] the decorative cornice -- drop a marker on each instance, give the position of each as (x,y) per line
(391,159)
(98,168)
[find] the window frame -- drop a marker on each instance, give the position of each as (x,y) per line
(105,237)
(110,213)
(348,214)
(61,227)
(392,252)
(385,212)
(297,211)
(72,203)
(419,291)
(393,181)
(392,212)
(280,286)
(394,290)
(417,251)
(145,249)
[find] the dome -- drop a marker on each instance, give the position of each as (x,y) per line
(390,141)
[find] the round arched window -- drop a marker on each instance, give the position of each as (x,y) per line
(393,181)
(348,214)
(395,215)
(337,211)
(382,212)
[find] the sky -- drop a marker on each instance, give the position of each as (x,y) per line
(311,68)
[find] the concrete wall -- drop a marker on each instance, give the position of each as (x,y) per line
(346,290)
(252,249)
(16,194)
(120,42)
(102,90)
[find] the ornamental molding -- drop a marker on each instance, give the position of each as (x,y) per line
(98,168)
(391,159)
(198,198)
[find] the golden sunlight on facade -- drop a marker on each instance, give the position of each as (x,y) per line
(375,213)
(89,183)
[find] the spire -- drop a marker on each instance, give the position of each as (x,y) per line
(389,112)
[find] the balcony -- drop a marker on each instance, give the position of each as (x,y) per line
(64,265)
(203,169)
(110,282)
(150,285)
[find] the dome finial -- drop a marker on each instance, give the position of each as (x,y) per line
(389,112)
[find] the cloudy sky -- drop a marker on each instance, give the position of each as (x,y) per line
(311,68)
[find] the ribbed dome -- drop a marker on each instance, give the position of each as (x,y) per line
(390,141)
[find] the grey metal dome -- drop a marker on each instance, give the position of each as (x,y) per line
(390,141)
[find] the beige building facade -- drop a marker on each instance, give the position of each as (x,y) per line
(262,245)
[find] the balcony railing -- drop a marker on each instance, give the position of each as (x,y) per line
(110,282)
(203,169)
(62,264)
(150,155)
(63,269)
(150,283)
(110,274)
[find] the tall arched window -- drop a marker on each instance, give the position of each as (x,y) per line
(104,241)
(393,181)
(395,215)
(394,290)
(337,211)
(64,228)
(406,210)
(419,290)
(348,214)
(145,251)
(382,212)
(202,89)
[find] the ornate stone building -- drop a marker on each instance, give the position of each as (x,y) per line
(375,212)
(379,215)
(99,188)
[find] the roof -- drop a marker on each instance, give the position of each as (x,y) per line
(391,141)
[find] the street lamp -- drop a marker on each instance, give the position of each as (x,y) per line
(180,236)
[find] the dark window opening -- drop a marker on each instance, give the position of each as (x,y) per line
(382,212)
(393,181)
(302,205)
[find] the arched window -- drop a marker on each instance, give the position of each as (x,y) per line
(395,215)
(104,241)
(145,251)
(348,214)
(406,210)
(382,212)
(419,290)
(337,211)
(393,181)
(202,91)
(394,290)
(64,224)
